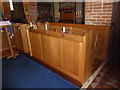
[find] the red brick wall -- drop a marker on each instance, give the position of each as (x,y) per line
(98,13)
(32,11)
(6,10)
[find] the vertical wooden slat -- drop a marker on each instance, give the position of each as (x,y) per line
(29,43)
(24,37)
(81,58)
(19,39)
(9,42)
(71,53)
(88,58)
(16,36)
(51,46)
(35,41)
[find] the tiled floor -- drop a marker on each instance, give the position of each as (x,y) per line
(108,77)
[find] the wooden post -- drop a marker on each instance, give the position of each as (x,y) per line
(9,42)
(28,37)
(16,37)
(10,46)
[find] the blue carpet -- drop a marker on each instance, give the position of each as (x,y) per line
(23,72)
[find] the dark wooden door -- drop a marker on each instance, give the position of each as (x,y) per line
(44,12)
(18,14)
(114,47)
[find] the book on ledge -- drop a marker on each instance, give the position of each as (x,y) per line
(4,23)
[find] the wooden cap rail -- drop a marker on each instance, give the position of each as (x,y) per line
(71,37)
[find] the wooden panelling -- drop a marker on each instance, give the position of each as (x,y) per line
(51,44)
(88,56)
(4,43)
(36,45)
(101,30)
(67,16)
(71,54)
(4,40)
(19,39)
(24,37)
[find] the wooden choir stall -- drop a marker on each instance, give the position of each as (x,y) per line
(71,49)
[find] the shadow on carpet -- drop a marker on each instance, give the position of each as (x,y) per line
(23,72)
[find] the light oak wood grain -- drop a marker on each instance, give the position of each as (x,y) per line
(51,44)
(72,54)
(24,37)
(36,45)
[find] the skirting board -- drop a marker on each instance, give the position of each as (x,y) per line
(88,82)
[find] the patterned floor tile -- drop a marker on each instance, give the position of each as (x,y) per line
(108,77)
(94,85)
